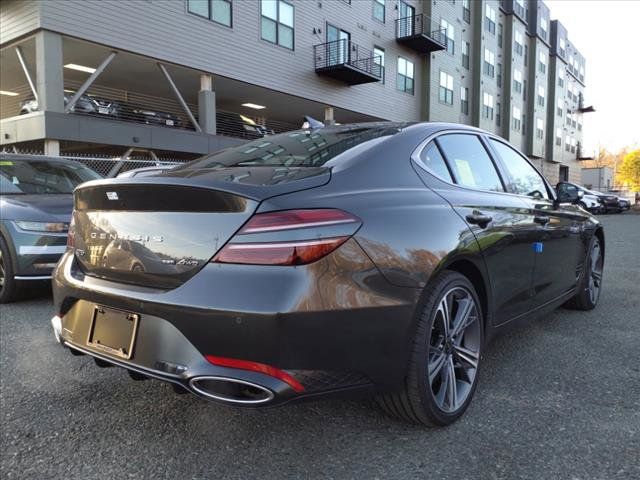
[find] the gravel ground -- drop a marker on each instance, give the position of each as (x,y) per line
(558,399)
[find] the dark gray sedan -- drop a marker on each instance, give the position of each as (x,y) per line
(35,210)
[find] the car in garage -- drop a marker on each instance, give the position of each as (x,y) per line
(35,211)
(374,258)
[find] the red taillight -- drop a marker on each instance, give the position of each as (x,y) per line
(71,241)
(279,253)
(288,219)
(256,367)
(292,252)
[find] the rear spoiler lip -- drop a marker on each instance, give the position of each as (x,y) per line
(256,192)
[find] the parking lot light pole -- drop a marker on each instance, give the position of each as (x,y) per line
(207,104)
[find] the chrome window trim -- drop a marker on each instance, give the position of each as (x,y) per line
(415,156)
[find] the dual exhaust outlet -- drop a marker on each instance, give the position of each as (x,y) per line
(233,391)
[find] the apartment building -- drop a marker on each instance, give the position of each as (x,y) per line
(187,77)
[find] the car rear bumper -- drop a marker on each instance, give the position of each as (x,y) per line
(336,325)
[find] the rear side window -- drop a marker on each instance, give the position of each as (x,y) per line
(470,163)
(525,180)
(432,159)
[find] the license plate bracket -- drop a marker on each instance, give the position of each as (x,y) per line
(113,331)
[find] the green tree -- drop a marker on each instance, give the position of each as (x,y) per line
(629,171)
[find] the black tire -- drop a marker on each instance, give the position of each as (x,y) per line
(417,402)
(8,285)
(585,297)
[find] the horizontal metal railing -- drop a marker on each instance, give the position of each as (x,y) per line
(345,52)
(130,106)
(420,25)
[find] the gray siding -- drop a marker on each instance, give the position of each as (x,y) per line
(164,30)
(17,18)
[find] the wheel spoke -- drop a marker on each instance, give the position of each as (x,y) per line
(463,316)
(436,363)
(451,385)
(444,310)
(467,356)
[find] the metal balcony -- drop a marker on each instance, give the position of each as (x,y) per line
(582,108)
(416,33)
(347,62)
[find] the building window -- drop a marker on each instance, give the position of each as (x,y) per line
(519,42)
(277,22)
(445,94)
(567,143)
(466,10)
(517,80)
(561,77)
(449,34)
(569,119)
(378,58)
(542,62)
(544,25)
(579,126)
(487,106)
(404,82)
(489,19)
(517,119)
(524,90)
(539,128)
(465,54)
(464,100)
(558,137)
(573,145)
(526,55)
(499,75)
(500,35)
(489,63)
(518,7)
(218,11)
(559,111)
(563,46)
(498,118)
(541,95)
(378,10)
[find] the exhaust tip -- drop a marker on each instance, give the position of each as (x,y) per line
(231,390)
(56,324)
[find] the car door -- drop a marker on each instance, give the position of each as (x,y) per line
(474,188)
(558,230)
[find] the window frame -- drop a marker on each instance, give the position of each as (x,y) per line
(501,169)
(446,88)
(380,3)
(383,56)
(404,77)
(278,22)
(505,171)
(450,42)
(210,13)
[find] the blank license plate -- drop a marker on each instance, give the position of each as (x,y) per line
(113,331)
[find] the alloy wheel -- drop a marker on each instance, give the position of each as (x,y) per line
(2,273)
(595,272)
(454,349)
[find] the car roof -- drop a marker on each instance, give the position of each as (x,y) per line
(28,157)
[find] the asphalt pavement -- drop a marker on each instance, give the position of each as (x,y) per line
(557,399)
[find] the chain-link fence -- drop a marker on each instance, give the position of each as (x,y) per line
(106,166)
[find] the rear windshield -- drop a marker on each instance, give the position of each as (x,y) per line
(300,148)
(42,176)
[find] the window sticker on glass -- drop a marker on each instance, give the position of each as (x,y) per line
(464,172)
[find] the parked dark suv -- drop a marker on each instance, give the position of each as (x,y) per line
(376,257)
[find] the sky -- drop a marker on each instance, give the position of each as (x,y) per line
(607,33)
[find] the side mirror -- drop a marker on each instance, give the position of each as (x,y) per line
(568,193)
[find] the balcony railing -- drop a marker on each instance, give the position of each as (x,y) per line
(584,108)
(417,33)
(348,62)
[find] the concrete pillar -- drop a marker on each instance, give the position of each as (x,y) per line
(51,147)
(49,77)
(207,105)
(328,116)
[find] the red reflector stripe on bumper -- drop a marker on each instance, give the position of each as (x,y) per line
(256,367)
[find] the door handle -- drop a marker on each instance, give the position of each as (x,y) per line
(479,219)
(541,219)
